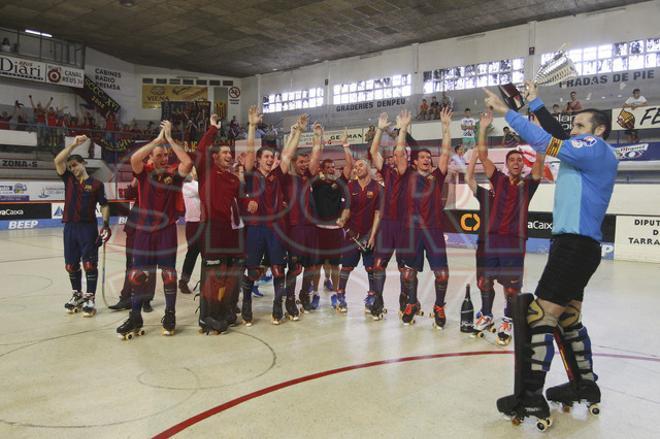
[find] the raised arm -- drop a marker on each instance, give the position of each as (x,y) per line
(445,151)
(537,167)
(34,107)
(403,123)
(254,119)
(374,150)
(485,120)
(185,162)
(291,146)
(548,122)
(137,159)
(50,101)
(60,159)
(348,156)
(317,148)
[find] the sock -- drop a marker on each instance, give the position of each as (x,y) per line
(487,299)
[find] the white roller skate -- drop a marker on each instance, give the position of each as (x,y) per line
(504,331)
(89,306)
(483,323)
(75,303)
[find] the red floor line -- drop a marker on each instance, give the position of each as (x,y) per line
(261,392)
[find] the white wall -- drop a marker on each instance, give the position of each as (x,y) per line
(13,89)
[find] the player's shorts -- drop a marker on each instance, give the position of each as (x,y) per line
(468,142)
(80,242)
(502,257)
(416,242)
(219,240)
(330,245)
(263,241)
(351,254)
(155,248)
(302,242)
(388,240)
(573,259)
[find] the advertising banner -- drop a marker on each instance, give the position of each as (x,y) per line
(29,70)
(94,94)
(640,118)
(638,238)
(153,95)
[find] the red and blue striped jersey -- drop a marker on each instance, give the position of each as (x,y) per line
(159,192)
(422,200)
(80,198)
(363,203)
(394,186)
(509,207)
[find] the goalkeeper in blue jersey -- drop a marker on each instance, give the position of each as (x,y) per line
(583,190)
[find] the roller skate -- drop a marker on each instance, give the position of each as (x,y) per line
(483,324)
(519,408)
(209,325)
(75,303)
(316,299)
(89,307)
(303,300)
(403,301)
(504,332)
(232,319)
(256,292)
(131,327)
(146,306)
(278,315)
(327,285)
(377,310)
(246,312)
(369,302)
(412,310)
(169,322)
(439,317)
(577,391)
(292,311)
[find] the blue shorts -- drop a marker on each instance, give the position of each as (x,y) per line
(502,258)
(262,240)
(351,254)
(80,242)
(417,242)
(388,241)
(157,248)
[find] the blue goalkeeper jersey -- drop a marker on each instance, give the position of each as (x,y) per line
(585,180)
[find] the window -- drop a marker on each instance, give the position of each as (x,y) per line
(294,100)
(617,57)
(396,86)
(475,75)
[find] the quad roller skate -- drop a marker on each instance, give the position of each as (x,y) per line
(131,327)
(483,324)
(576,392)
(304,302)
(519,408)
(75,303)
(246,312)
(89,307)
(211,326)
(327,285)
(338,302)
(439,317)
(504,332)
(377,310)
(412,310)
(277,315)
(292,311)
(369,302)
(169,322)
(316,300)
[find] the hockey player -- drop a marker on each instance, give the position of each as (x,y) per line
(81,235)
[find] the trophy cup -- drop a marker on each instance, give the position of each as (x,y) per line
(558,69)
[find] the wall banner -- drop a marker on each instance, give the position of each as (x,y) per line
(153,95)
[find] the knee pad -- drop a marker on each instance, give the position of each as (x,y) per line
(348,269)
(137,277)
(441,276)
(295,267)
(368,269)
(536,316)
(277,270)
(90,266)
(511,291)
(169,278)
(72,268)
(409,274)
(380,264)
(570,318)
(253,274)
(484,283)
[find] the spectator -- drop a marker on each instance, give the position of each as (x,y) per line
(634,101)
(457,161)
(4,120)
(6,45)
(510,139)
(446,102)
(435,108)
(423,110)
(573,106)
(260,132)
(467,125)
(556,111)
(40,120)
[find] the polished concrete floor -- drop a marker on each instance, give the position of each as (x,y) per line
(327,375)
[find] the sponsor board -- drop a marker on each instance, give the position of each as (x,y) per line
(11,211)
(29,70)
(639,118)
(153,95)
(638,238)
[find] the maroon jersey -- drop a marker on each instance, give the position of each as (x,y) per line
(218,189)
(363,203)
(80,198)
(508,213)
(298,197)
(422,200)
(266,190)
(158,194)
(394,186)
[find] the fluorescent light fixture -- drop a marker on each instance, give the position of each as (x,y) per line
(36,32)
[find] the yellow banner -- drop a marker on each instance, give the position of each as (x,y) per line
(153,95)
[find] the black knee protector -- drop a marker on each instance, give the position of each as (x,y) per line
(485,284)
(409,274)
(72,268)
(253,274)
(295,266)
(441,276)
(169,280)
(277,270)
(137,277)
(380,264)
(90,266)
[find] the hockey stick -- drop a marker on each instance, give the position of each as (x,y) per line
(105,302)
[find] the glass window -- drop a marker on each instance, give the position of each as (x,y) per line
(428,87)
(635,62)
(653,45)
(620,49)
(518,64)
(406,90)
(651,60)
(605,51)
(378,94)
(589,54)
(636,47)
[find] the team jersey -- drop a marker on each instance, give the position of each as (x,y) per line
(485,198)
(585,180)
(363,204)
(329,197)
(159,193)
(80,198)
(298,197)
(218,188)
(395,184)
(422,200)
(508,212)
(266,191)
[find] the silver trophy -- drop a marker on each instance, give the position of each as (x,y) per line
(558,69)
